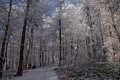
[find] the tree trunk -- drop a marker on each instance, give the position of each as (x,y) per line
(60,48)
(6,50)
(92,50)
(76,55)
(53,61)
(42,55)
(20,67)
(72,51)
(113,24)
(60,39)
(66,50)
(12,61)
(113,21)
(29,47)
(48,58)
(45,57)
(4,40)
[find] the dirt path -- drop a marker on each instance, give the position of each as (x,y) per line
(45,73)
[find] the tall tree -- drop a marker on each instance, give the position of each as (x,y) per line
(91,50)
(20,67)
(29,47)
(112,10)
(60,48)
(5,39)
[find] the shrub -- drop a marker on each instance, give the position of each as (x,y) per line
(102,71)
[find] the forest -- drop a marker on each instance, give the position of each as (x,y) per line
(81,38)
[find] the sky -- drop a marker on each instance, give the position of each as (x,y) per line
(57,3)
(15,2)
(53,7)
(20,1)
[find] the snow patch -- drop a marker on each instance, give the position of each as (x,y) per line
(54,78)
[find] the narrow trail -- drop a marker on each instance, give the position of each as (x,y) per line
(44,73)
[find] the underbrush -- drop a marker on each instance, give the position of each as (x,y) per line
(96,71)
(91,71)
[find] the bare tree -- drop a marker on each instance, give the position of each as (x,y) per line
(5,39)
(20,67)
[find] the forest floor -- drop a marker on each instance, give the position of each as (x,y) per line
(43,73)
